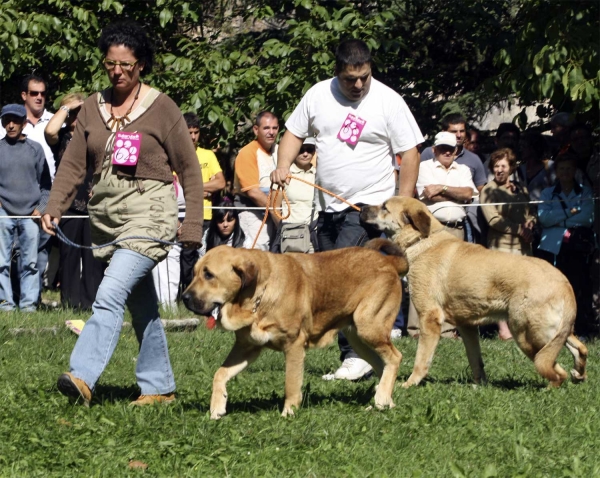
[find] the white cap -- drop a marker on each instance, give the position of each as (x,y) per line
(445,138)
(310,140)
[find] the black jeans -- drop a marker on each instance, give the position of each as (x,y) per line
(338,230)
(79,273)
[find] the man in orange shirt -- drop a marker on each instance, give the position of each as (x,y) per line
(253,166)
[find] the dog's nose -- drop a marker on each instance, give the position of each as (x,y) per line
(187,299)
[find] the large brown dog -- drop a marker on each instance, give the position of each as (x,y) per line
(468,285)
(290,302)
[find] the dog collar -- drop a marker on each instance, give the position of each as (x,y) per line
(258,300)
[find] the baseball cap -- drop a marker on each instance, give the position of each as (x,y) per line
(14,109)
(445,138)
(310,140)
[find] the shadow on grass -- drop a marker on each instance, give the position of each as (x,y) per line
(275,401)
(114,394)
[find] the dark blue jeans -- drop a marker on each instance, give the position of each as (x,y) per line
(338,230)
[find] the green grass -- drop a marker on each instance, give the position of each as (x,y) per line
(446,427)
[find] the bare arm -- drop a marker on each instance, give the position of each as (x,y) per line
(55,124)
(440,193)
(216,183)
(257,196)
(409,172)
(289,147)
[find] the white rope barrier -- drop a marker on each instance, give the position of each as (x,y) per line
(244,208)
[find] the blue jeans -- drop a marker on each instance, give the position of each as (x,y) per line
(28,232)
(338,230)
(127,281)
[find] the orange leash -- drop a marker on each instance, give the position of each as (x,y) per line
(285,198)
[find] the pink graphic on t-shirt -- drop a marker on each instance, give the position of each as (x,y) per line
(127,148)
(351,129)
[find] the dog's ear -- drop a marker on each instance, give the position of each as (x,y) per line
(420,220)
(247,271)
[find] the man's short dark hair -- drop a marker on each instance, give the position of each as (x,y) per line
(192,120)
(264,114)
(34,78)
(351,53)
(131,35)
(508,128)
(453,118)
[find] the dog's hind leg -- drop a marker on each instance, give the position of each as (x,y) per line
(580,352)
(383,357)
(294,373)
(470,336)
(430,324)
(239,358)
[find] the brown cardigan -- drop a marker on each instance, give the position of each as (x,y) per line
(166,147)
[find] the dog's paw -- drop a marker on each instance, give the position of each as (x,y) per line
(287,412)
(576,377)
(216,414)
(407,385)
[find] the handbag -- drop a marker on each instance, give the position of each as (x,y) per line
(579,239)
(295,237)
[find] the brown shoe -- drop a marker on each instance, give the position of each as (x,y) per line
(74,388)
(153,400)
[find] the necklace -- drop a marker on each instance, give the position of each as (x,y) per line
(119,121)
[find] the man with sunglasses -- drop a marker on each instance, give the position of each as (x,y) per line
(33,94)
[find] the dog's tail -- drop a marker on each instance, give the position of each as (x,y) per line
(392,251)
(545,359)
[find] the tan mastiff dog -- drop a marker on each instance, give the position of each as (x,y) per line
(469,285)
(291,302)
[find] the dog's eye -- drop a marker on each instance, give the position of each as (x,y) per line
(208,275)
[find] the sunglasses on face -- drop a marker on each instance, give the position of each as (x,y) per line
(125,65)
(37,93)
(307,149)
(445,149)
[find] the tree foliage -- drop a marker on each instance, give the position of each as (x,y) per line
(229,59)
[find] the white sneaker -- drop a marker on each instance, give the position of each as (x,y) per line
(352,369)
(396,334)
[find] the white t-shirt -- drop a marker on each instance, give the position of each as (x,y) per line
(363,173)
(432,171)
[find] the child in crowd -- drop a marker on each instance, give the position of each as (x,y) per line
(224,229)
(24,189)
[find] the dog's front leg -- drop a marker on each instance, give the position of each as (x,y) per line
(294,373)
(430,325)
(238,359)
(470,337)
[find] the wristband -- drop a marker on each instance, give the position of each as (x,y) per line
(64,108)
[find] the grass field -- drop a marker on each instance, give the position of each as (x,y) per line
(446,427)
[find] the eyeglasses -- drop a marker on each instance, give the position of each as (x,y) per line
(125,65)
(37,93)
(307,149)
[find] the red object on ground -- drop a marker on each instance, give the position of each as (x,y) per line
(211,323)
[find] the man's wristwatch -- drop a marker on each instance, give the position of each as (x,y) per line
(444,189)
(64,108)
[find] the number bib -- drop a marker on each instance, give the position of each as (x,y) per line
(351,129)
(127,148)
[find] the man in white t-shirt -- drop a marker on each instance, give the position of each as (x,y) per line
(359,125)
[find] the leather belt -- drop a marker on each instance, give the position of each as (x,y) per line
(454,224)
